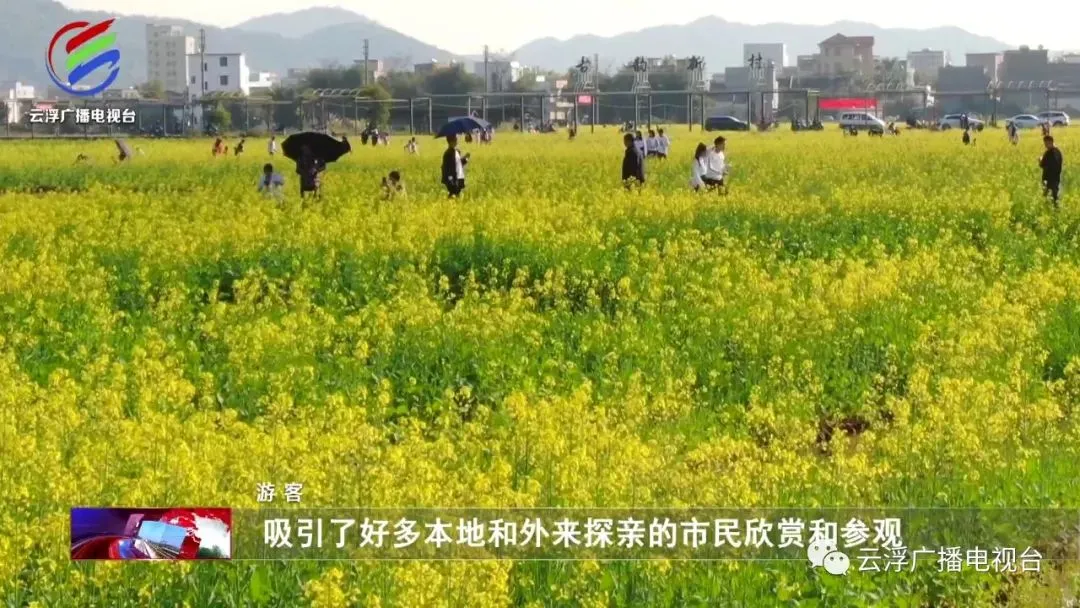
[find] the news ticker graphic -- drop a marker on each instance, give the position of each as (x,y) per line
(109,533)
(865,540)
(837,541)
(82,116)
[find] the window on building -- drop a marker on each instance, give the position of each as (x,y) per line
(205,85)
(204,67)
(192,80)
(223,61)
(224,81)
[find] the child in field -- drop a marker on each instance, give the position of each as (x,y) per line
(271,183)
(412,147)
(219,147)
(239,148)
(393,187)
(271,147)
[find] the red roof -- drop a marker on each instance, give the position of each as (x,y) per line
(842,40)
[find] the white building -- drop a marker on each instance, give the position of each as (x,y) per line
(166,49)
(218,73)
(260,83)
(11,93)
(501,73)
(926,63)
(775,52)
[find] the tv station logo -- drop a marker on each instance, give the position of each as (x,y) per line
(81,116)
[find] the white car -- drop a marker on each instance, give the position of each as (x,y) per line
(1025,121)
(952,121)
(861,120)
(1056,118)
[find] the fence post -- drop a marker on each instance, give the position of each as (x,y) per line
(412,120)
(521,113)
(595,110)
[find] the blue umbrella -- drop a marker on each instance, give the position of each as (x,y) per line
(463,124)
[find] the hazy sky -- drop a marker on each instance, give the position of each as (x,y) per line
(508,25)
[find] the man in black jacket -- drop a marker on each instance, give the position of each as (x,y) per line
(633,164)
(1051,169)
(453,167)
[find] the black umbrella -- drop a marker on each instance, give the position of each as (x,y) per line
(463,124)
(322,146)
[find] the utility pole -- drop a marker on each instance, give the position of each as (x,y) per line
(202,61)
(487,77)
(202,75)
(367,48)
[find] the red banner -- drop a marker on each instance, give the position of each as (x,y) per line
(848,103)
(584,99)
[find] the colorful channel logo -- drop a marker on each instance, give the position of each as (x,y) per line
(92,63)
(151,534)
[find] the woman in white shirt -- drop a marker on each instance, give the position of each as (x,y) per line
(272,146)
(716,167)
(697,168)
(663,144)
(639,142)
(652,145)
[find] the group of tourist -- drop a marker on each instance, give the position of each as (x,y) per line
(708,168)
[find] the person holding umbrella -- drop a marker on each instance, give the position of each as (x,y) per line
(308,167)
(453,167)
(311,152)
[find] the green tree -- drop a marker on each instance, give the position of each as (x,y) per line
(402,85)
(152,90)
(286,109)
(219,117)
(378,112)
(453,81)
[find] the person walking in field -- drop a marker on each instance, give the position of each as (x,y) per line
(652,145)
(271,147)
(663,144)
(698,167)
(633,164)
(716,166)
(271,183)
(309,169)
(1014,133)
(412,147)
(1051,164)
(453,167)
(639,141)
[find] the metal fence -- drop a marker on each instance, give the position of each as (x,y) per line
(422,115)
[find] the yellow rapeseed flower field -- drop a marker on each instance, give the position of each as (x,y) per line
(861,321)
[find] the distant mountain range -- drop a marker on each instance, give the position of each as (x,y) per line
(301,23)
(720,42)
(310,37)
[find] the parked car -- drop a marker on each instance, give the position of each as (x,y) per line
(1056,118)
(861,120)
(725,123)
(1025,121)
(952,121)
